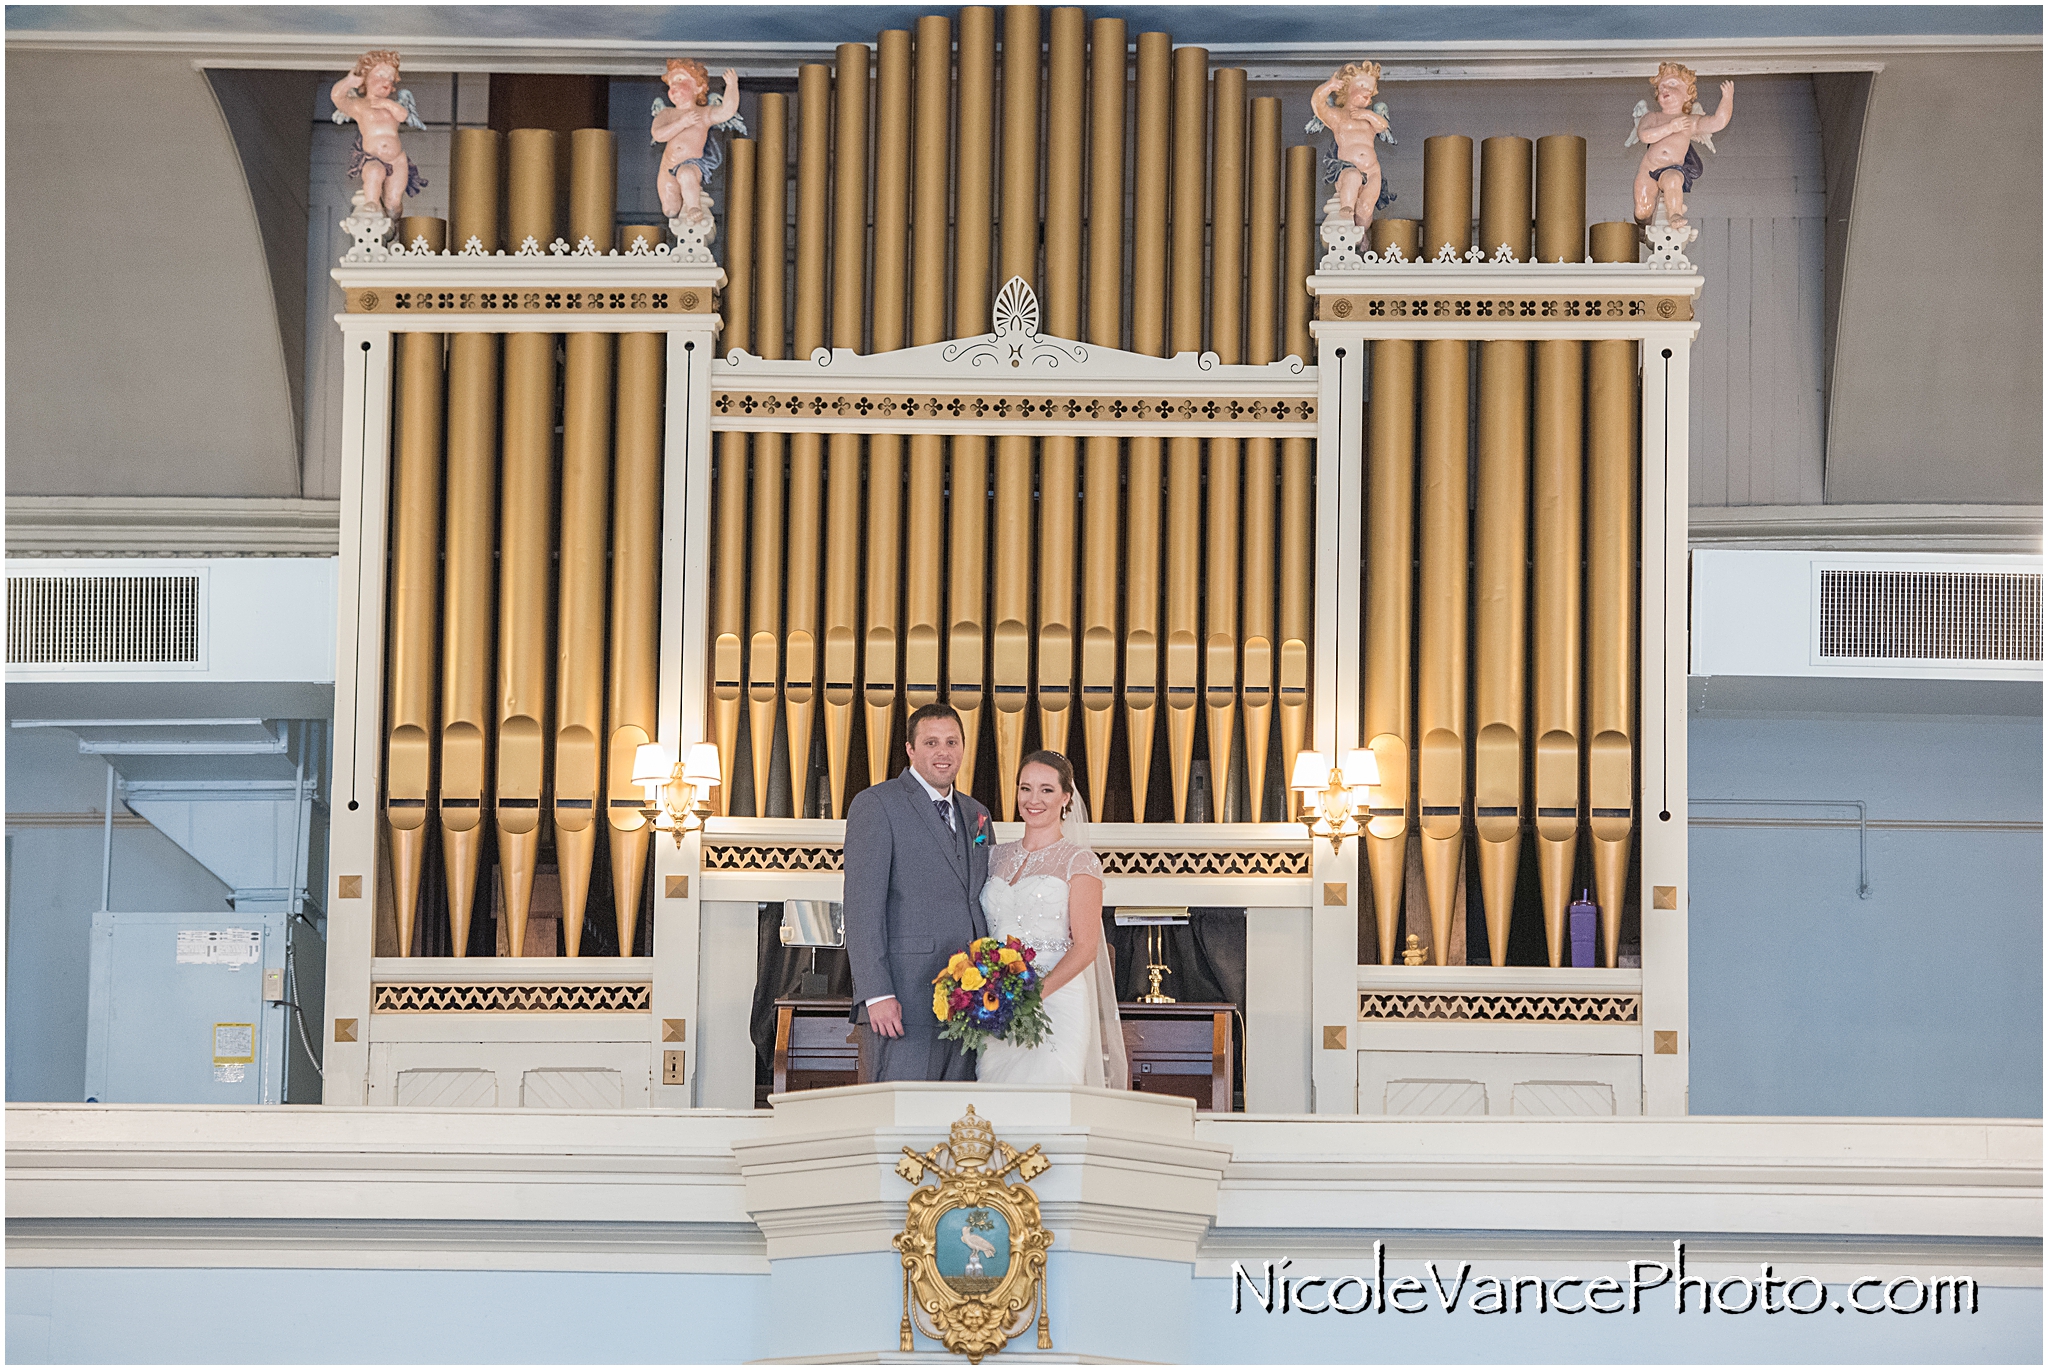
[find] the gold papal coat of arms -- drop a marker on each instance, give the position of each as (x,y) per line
(972,1246)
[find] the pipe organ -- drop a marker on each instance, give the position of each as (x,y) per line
(1020,375)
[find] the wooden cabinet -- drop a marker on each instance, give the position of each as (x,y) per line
(1183,1049)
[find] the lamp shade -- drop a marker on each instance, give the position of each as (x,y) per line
(651,764)
(702,768)
(1361,768)
(1311,772)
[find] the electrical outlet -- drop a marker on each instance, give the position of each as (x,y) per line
(672,1068)
(273,986)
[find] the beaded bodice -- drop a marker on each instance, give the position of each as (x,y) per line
(1025,896)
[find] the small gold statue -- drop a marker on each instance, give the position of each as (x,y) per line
(1413,954)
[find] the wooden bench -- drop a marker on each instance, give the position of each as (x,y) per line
(1182,1049)
(815,1046)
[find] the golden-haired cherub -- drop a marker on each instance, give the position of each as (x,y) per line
(371,96)
(691,156)
(1670,162)
(1345,105)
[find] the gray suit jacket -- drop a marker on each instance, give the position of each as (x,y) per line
(913,893)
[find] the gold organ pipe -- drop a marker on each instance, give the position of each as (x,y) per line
(1389,542)
(885,451)
(764,614)
(1225,512)
(635,621)
(1561,198)
(581,551)
(1190,193)
(1301,248)
(1148,224)
(1058,506)
(1500,634)
(415,599)
(1506,173)
(526,497)
(967,548)
(1610,602)
(1262,299)
(1446,194)
(974,179)
(844,494)
(924,531)
(469,547)
(1184,455)
(1100,563)
(1556,480)
(1065,168)
(1019,239)
(729,609)
(801,625)
(1440,638)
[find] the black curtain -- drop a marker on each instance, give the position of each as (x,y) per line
(1206,957)
(778,974)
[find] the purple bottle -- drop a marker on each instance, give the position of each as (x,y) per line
(1585,923)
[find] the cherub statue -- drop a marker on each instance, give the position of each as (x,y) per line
(691,157)
(1344,105)
(1670,162)
(371,96)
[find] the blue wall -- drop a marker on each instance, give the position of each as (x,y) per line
(1923,999)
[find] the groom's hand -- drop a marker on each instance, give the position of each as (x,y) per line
(886,1017)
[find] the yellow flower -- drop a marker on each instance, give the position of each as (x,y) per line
(959,965)
(972,978)
(939,1005)
(1011,957)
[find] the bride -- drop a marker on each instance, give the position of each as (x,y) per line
(1046,891)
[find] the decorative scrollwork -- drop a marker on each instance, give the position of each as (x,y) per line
(488,998)
(756,404)
(1383,1006)
(1492,307)
(802,856)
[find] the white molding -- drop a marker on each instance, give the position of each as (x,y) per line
(502,970)
(1938,528)
(1497,980)
(1483,59)
(171,526)
(1507,278)
(371,325)
(510,270)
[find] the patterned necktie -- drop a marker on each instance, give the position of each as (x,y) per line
(945,809)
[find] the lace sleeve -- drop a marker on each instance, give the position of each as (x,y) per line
(1003,862)
(1084,862)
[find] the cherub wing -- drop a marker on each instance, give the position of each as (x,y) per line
(1699,111)
(1636,117)
(735,123)
(659,105)
(1314,125)
(339,117)
(412,111)
(1386,134)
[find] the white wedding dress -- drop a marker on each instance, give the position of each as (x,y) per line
(1025,897)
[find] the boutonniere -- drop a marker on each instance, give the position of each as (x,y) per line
(981,830)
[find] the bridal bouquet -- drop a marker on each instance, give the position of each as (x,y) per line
(990,991)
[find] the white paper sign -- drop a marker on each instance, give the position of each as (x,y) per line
(219,946)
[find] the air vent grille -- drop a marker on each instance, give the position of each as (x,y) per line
(112,620)
(1983,616)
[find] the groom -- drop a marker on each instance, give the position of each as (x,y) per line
(917,853)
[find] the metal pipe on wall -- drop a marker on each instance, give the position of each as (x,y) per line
(1184,455)
(1065,168)
(526,495)
(1018,255)
(764,614)
(1554,656)
(729,608)
(634,677)
(974,177)
(1561,198)
(415,599)
(924,529)
(470,544)
(844,488)
(1500,636)
(1447,195)
(801,625)
(1440,644)
(581,550)
(1103,509)
(1225,568)
(1611,603)
(1297,458)
(1262,299)
(1506,172)
(879,666)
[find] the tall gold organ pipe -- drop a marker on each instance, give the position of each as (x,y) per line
(581,552)
(1390,543)
(764,613)
(1440,638)
(967,634)
(924,531)
(1297,530)
(1447,194)
(1148,336)
(1556,487)
(1065,167)
(469,547)
(1500,635)
(1184,455)
(1103,508)
(729,610)
(636,604)
(801,626)
(415,600)
(1018,255)
(879,671)
(843,531)
(1610,602)
(1262,299)
(1505,177)
(526,497)
(1561,198)
(1225,513)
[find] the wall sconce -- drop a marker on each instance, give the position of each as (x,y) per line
(1335,803)
(678,793)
